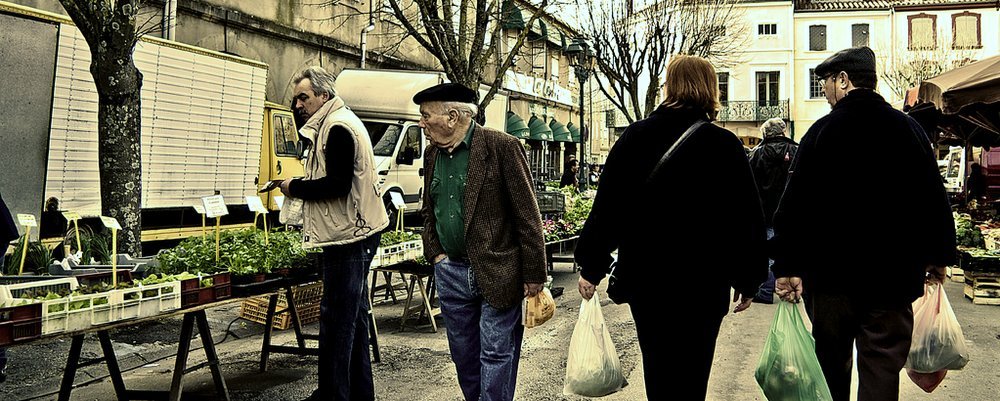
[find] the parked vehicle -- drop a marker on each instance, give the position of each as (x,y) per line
(383,99)
(206,128)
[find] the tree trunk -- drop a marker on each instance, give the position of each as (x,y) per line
(651,95)
(119,147)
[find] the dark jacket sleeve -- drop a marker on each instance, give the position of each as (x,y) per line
(745,234)
(432,245)
(8,230)
(793,213)
(601,232)
(527,219)
(940,228)
(339,170)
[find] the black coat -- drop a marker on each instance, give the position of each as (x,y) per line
(864,211)
(770,162)
(8,230)
(700,217)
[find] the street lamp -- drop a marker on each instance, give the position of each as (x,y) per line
(582,58)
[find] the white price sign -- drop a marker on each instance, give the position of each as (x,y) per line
(200,209)
(71,215)
(215,206)
(397,200)
(280,200)
(111,222)
(27,220)
(255,204)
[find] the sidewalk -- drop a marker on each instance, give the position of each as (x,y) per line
(416,366)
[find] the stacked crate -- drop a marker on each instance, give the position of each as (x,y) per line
(307,298)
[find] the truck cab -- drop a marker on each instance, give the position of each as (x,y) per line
(278,150)
(383,100)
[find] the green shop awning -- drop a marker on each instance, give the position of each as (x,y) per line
(559,132)
(517,127)
(539,130)
(512,18)
(574,132)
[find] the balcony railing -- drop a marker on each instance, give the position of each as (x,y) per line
(752,110)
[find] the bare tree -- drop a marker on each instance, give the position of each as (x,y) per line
(455,32)
(111,30)
(910,67)
(632,47)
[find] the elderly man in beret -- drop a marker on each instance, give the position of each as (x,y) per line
(483,231)
(860,280)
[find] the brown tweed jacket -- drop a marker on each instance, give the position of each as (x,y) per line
(503,228)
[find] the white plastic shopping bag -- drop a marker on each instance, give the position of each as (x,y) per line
(592,368)
(938,344)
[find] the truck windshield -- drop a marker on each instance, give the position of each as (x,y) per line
(384,137)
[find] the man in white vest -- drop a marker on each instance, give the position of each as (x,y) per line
(343,214)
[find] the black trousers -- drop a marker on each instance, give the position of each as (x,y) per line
(882,333)
(667,363)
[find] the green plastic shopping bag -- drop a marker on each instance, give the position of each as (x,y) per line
(788,368)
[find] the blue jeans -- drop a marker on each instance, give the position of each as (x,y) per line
(766,292)
(345,369)
(485,342)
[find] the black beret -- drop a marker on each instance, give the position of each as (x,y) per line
(855,59)
(447,93)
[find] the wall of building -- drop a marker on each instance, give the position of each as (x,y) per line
(806,109)
(763,53)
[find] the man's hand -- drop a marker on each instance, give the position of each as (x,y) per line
(789,288)
(935,274)
(744,303)
(586,288)
(439,258)
(532,289)
(284,186)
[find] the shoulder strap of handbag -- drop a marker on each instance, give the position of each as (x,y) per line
(673,148)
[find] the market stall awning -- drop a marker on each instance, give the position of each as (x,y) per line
(517,127)
(512,18)
(539,130)
(559,132)
(574,132)
(963,103)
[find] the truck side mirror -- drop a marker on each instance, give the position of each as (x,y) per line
(406,157)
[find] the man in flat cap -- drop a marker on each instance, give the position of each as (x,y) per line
(483,231)
(830,238)
(342,214)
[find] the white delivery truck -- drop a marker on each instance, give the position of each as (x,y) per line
(206,128)
(383,99)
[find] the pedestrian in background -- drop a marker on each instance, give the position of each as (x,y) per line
(342,214)
(701,200)
(569,177)
(770,161)
(8,233)
(860,283)
(595,175)
(483,231)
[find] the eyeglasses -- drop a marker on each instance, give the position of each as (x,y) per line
(822,81)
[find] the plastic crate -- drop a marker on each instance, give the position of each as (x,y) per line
(307,301)
(551,201)
(15,286)
(192,294)
(20,323)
